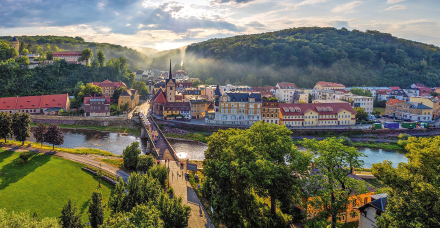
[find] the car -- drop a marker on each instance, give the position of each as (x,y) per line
(378,116)
(407,120)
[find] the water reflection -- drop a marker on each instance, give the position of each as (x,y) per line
(191,150)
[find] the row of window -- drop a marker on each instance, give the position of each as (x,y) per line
(271,115)
(97,108)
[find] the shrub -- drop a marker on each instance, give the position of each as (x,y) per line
(346,140)
(170,191)
(402,143)
(403,136)
(25,156)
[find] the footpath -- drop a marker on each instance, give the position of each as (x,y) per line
(182,188)
(74,157)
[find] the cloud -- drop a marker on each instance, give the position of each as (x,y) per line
(347,8)
(256,24)
(309,2)
(396,7)
(231,1)
(394,1)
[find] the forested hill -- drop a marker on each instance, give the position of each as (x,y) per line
(42,44)
(307,55)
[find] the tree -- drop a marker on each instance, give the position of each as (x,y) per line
(434,94)
(39,133)
(414,187)
(54,135)
(91,89)
(159,172)
(173,212)
(361,114)
(139,216)
(330,183)
(145,163)
(117,93)
(361,92)
(23,219)
(141,87)
(49,55)
(69,216)
(101,58)
(116,201)
(211,81)
(86,55)
(5,125)
(96,210)
(21,126)
(23,61)
(131,155)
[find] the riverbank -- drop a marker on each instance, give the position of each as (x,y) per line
(132,131)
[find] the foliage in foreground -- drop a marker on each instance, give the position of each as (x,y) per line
(24,220)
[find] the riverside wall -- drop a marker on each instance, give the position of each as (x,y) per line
(122,122)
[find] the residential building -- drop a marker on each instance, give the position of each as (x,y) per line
(208,91)
(411,92)
(425,91)
(300,97)
(270,112)
(321,85)
(431,102)
(98,105)
(48,104)
(159,101)
(233,88)
(391,107)
(176,110)
(181,75)
(238,108)
(415,86)
(198,107)
(360,101)
(285,91)
(329,94)
(109,87)
(181,86)
(70,57)
(158,86)
(369,212)
(130,97)
(413,111)
(317,114)
(398,94)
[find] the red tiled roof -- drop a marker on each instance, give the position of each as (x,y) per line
(393,101)
(71,53)
(8,103)
(54,101)
(160,99)
(329,84)
(287,85)
(32,102)
(107,83)
(177,106)
(87,99)
(395,88)
(185,84)
(321,108)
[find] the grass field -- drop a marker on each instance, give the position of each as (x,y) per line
(378,109)
(45,184)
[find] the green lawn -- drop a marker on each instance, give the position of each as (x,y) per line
(378,109)
(45,184)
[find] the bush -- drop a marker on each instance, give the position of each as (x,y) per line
(404,136)
(402,143)
(170,191)
(145,163)
(25,156)
(346,140)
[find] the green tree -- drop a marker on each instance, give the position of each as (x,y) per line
(39,133)
(414,187)
(145,163)
(54,135)
(361,114)
(5,125)
(211,81)
(117,93)
(141,87)
(159,172)
(116,201)
(173,212)
(96,210)
(143,216)
(361,92)
(49,55)
(23,61)
(69,216)
(330,183)
(22,219)
(21,126)
(86,55)
(101,58)
(131,155)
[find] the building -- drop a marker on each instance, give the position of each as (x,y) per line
(109,87)
(181,86)
(285,91)
(159,101)
(208,91)
(413,111)
(328,86)
(176,110)
(98,105)
(415,85)
(130,97)
(360,101)
(270,112)
(391,107)
(15,43)
(370,211)
(300,97)
(233,88)
(317,114)
(198,107)
(170,87)
(329,94)
(181,75)
(48,104)
(431,102)
(238,108)
(70,57)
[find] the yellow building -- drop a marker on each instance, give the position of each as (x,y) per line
(176,110)
(198,108)
(328,86)
(316,114)
(238,108)
(270,112)
(433,103)
(130,96)
(413,111)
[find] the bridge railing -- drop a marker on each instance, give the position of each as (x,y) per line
(143,121)
(173,152)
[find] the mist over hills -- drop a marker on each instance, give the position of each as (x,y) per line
(307,55)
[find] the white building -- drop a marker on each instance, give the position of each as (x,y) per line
(237,108)
(360,101)
(285,91)
(370,211)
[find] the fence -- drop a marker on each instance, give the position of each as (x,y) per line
(173,153)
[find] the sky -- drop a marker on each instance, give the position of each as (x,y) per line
(168,24)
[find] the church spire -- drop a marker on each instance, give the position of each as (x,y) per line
(170,75)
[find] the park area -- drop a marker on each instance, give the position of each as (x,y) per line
(45,183)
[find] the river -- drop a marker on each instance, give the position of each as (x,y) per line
(193,150)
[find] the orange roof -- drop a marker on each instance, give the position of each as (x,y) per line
(54,101)
(393,101)
(329,84)
(321,108)
(160,99)
(7,103)
(32,102)
(287,85)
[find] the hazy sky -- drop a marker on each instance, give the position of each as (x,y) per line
(164,24)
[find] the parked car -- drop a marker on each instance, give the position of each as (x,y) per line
(385,116)
(407,120)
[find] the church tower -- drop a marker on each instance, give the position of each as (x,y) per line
(15,43)
(171,87)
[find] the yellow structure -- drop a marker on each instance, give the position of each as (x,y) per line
(433,103)
(270,112)
(109,87)
(413,111)
(238,108)
(198,108)
(130,96)
(316,114)
(175,110)
(15,43)
(328,86)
